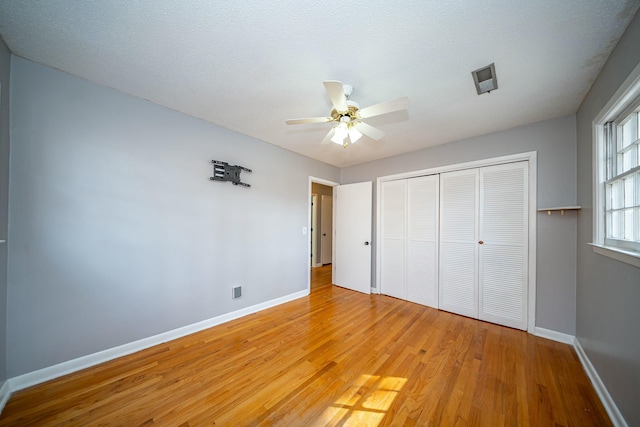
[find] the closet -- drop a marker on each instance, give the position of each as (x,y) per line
(458,241)
(409,249)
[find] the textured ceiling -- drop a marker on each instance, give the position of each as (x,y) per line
(248,65)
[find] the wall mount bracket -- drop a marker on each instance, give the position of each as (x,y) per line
(223,171)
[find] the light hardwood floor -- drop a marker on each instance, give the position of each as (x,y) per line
(336,357)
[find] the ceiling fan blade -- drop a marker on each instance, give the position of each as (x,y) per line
(327,139)
(309,120)
(369,130)
(336,94)
(385,107)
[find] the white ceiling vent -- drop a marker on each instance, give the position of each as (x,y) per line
(485,79)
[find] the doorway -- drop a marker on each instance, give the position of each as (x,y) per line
(321,224)
(321,227)
(350,230)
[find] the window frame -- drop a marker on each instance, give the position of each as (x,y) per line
(613,141)
(621,104)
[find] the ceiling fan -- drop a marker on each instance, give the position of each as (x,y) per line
(348,116)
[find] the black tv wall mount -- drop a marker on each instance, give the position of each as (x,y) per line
(223,171)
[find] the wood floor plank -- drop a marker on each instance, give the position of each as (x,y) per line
(336,357)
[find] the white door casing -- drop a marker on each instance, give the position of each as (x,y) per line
(352,236)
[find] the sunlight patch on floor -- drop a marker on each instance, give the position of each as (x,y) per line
(365,402)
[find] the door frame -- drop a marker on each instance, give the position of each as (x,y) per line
(313,179)
(531,157)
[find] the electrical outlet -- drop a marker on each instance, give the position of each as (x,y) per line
(236,292)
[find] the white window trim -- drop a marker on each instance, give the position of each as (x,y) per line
(617,254)
(619,102)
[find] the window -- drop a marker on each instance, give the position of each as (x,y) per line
(622,185)
(617,174)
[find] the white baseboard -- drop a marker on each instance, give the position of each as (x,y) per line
(5,394)
(553,335)
(612,410)
(36,377)
(616,417)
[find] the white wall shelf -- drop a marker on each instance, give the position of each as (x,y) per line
(561,209)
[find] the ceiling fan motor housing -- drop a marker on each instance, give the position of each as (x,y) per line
(348,90)
(352,112)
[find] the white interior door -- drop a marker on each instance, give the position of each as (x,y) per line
(459,242)
(352,236)
(326,227)
(422,240)
(503,254)
(392,240)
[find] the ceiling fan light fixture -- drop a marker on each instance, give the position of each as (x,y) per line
(354,134)
(342,130)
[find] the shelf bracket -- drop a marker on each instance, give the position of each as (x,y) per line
(561,209)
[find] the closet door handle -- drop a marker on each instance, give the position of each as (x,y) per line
(480,242)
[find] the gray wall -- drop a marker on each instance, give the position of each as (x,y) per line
(5,67)
(608,291)
(555,143)
(116,232)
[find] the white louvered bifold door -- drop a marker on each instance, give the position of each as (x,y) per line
(503,256)
(422,240)
(459,242)
(393,241)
